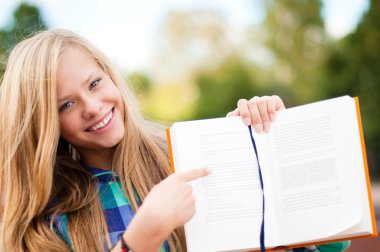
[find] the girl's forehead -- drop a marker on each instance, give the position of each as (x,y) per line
(75,68)
(75,53)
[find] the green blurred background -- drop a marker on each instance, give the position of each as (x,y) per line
(205,73)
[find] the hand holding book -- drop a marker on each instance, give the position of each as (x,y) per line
(258,111)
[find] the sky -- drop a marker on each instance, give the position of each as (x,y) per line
(125,29)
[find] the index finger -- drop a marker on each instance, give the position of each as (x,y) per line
(244,111)
(194,174)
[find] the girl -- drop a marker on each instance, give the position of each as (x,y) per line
(80,169)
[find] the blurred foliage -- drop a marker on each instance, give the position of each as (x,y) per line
(220,89)
(26,20)
(353,68)
(140,82)
(296,38)
(168,102)
(188,41)
(157,101)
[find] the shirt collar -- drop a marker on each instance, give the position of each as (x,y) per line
(102,174)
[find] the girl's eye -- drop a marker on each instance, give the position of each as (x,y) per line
(94,84)
(65,106)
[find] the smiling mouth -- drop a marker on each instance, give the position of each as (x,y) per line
(102,123)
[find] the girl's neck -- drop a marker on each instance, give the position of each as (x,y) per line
(99,159)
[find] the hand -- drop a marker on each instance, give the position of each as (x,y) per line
(258,111)
(172,200)
(170,204)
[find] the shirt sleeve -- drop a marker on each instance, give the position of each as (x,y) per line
(334,247)
(330,247)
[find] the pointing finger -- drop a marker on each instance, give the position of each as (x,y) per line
(195,174)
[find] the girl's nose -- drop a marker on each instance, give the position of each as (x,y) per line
(91,107)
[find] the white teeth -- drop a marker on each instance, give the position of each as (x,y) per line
(102,123)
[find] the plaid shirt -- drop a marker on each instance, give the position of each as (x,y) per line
(119,213)
(330,247)
(117,209)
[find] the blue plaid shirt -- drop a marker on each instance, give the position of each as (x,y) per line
(117,209)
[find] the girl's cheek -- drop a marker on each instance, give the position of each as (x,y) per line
(69,127)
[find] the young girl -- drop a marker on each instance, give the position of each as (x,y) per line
(81,170)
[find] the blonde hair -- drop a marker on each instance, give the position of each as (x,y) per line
(39,178)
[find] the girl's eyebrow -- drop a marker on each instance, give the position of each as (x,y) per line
(84,83)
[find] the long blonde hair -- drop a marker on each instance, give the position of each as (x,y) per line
(39,178)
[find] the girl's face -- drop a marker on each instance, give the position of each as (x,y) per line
(90,105)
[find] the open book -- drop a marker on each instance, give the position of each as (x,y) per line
(314,170)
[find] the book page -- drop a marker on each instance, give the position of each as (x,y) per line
(316,162)
(229,201)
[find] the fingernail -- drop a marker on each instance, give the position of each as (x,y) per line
(247,121)
(271,116)
(266,126)
(258,128)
